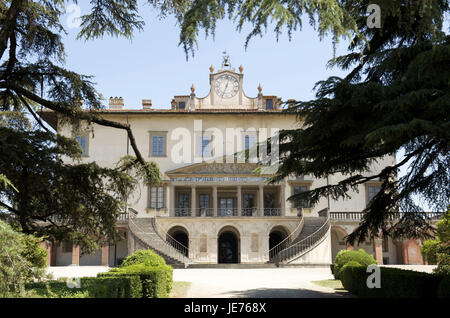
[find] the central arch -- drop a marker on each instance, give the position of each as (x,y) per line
(228,246)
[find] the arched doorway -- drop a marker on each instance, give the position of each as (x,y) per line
(179,238)
(277,235)
(228,251)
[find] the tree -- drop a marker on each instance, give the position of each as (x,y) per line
(21,260)
(39,192)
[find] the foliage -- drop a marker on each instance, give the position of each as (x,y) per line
(21,260)
(438,251)
(90,287)
(429,250)
(156,281)
(395,283)
(444,287)
(345,256)
(395,97)
(39,191)
(59,200)
(144,257)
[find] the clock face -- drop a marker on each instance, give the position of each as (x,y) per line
(226,86)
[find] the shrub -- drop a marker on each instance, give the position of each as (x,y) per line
(395,283)
(145,257)
(90,287)
(443,267)
(21,260)
(430,249)
(156,281)
(444,287)
(343,257)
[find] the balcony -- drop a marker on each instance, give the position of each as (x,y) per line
(225,212)
(357,216)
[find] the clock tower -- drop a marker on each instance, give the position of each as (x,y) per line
(226,93)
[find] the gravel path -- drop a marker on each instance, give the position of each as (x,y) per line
(267,282)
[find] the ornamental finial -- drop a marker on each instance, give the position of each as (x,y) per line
(259,88)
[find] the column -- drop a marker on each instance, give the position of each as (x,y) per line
(105,255)
(215,200)
(171,200)
(283,199)
(75,255)
(261,200)
(167,198)
(239,200)
(193,200)
(378,250)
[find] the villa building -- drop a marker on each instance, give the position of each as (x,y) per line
(213,207)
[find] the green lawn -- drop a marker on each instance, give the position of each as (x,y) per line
(330,283)
(179,289)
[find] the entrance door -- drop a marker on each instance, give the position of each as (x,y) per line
(226,206)
(183,204)
(228,248)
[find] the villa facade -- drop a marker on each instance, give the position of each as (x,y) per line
(213,207)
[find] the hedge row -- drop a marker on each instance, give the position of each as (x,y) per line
(395,283)
(89,287)
(156,282)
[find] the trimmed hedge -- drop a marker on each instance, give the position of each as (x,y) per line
(90,287)
(156,281)
(444,287)
(395,283)
(145,257)
(345,256)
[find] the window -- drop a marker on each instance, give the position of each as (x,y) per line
(156,197)
(250,142)
(204,201)
(181,105)
(269,103)
(373,190)
(158,146)
(82,140)
(158,143)
(249,204)
(302,203)
(204,144)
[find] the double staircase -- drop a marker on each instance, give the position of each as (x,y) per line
(310,232)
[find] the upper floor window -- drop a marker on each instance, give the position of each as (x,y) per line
(250,142)
(204,145)
(158,143)
(182,105)
(82,140)
(156,197)
(302,203)
(269,103)
(373,190)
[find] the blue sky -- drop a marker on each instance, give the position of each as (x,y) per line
(153,66)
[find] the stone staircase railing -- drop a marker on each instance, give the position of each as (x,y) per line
(286,242)
(149,237)
(304,245)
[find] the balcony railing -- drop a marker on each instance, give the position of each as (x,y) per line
(272,212)
(224,212)
(357,216)
(227,212)
(249,212)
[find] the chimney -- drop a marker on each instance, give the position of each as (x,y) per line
(146,104)
(115,103)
